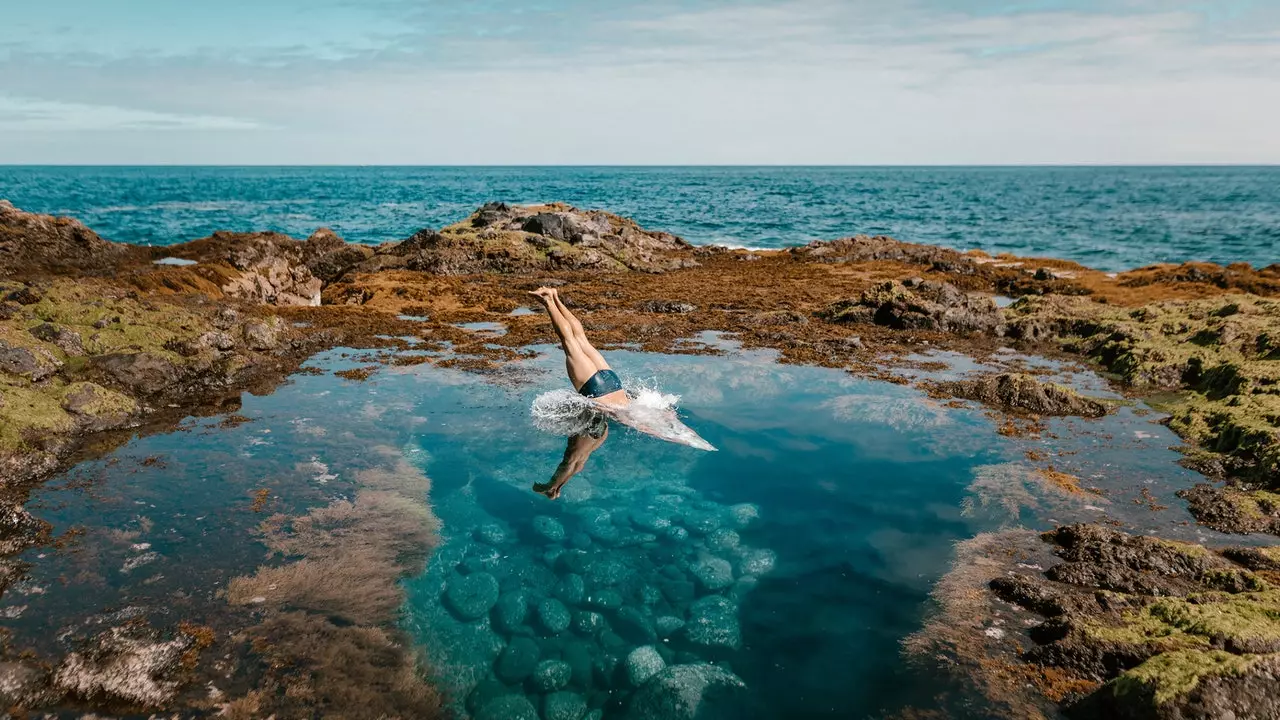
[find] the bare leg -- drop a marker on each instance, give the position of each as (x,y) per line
(581,337)
(579,365)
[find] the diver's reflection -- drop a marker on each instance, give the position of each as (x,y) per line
(576,452)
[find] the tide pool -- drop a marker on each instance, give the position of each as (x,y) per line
(775,578)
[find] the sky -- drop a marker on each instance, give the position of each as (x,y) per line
(639,82)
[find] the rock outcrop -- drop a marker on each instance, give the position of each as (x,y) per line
(268,267)
(38,245)
(513,239)
(920,305)
(1022,393)
(1171,630)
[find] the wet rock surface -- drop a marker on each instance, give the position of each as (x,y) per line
(1022,393)
(1139,627)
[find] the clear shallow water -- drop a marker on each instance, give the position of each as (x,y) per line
(844,495)
(1110,218)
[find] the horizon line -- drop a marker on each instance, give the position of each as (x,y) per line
(641,166)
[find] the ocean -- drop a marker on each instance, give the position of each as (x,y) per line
(1112,218)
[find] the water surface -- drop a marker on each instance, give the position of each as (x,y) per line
(1112,218)
(814,535)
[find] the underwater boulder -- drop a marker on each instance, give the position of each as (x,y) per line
(511,611)
(668,625)
(756,562)
(691,692)
(589,623)
(723,540)
(491,533)
(632,625)
(508,707)
(608,571)
(571,589)
(551,675)
(518,660)
(548,528)
(553,616)
(713,624)
(743,514)
(642,664)
(713,573)
(471,596)
(564,706)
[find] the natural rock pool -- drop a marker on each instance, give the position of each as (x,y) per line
(777,577)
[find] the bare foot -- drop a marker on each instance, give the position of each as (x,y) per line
(544,294)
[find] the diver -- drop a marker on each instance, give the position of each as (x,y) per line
(587,368)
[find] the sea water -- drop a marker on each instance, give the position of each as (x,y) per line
(796,559)
(1113,218)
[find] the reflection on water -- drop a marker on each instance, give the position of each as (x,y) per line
(610,573)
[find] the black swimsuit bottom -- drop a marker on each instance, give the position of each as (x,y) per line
(601,384)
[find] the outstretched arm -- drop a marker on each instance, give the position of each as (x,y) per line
(576,453)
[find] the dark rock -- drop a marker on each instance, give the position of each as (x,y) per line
(518,660)
(67,340)
(634,627)
(510,612)
(490,213)
(550,225)
(667,307)
(144,374)
(1224,510)
(1023,393)
(25,295)
(471,596)
(35,363)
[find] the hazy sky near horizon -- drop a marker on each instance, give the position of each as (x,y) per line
(639,81)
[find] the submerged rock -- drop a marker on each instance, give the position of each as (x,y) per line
(668,625)
(554,616)
(642,664)
(551,675)
(508,707)
(124,665)
(691,692)
(571,589)
(518,660)
(510,612)
(471,596)
(713,573)
(633,626)
(549,528)
(563,706)
(713,623)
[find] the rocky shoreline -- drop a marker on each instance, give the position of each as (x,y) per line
(100,341)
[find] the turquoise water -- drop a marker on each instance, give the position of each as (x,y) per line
(797,558)
(1110,218)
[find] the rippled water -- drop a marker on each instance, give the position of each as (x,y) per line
(1110,218)
(797,558)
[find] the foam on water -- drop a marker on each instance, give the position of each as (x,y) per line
(565,412)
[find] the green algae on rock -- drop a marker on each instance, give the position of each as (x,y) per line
(1165,627)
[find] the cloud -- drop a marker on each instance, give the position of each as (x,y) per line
(46,115)
(812,81)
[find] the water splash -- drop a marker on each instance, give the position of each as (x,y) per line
(565,412)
